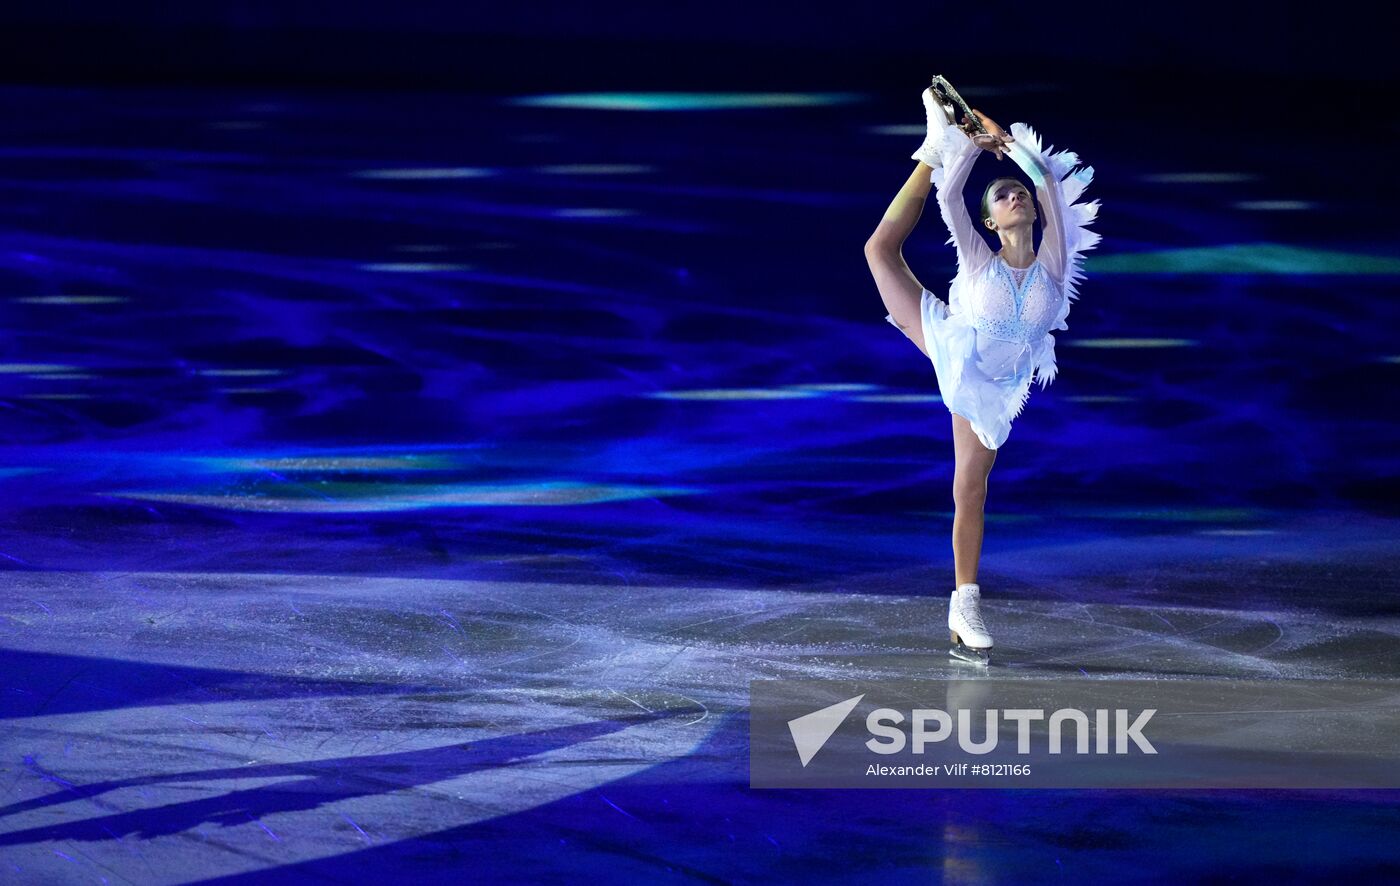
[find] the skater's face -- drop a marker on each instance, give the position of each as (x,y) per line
(1009,204)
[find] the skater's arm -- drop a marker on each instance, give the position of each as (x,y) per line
(959,154)
(1047,187)
(1053,246)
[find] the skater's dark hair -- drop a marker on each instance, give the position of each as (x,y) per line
(987,195)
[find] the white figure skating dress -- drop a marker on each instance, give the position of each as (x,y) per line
(994,333)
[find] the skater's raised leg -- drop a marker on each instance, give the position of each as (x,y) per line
(899,289)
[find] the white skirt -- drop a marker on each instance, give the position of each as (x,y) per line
(986,380)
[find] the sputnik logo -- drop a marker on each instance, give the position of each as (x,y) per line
(811,731)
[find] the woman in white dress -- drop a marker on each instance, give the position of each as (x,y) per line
(993,335)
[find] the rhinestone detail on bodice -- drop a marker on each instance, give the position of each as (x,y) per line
(1014,310)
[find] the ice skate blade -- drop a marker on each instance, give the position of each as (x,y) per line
(959,649)
(970,655)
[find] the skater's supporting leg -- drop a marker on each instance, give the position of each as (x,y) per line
(899,289)
(973,463)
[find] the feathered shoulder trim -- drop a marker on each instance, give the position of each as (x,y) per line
(1077,217)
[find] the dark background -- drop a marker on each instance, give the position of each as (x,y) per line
(1232,48)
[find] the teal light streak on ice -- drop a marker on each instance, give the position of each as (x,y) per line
(586,212)
(834,387)
(734,394)
(1274,205)
(899,129)
(426,173)
(71,299)
(685,101)
(1243,258)
(25,368)
(239,373)
(1101,398)
(861,392)
(897,398)
(413,267)
(1133,342)
(350,497)
(317,462)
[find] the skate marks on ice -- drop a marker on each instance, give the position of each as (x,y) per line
(236,722)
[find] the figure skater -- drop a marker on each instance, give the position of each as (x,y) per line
(994,332)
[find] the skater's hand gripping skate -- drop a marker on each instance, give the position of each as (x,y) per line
(995,139)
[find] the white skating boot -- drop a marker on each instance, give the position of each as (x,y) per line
(969,636)
(938,119)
